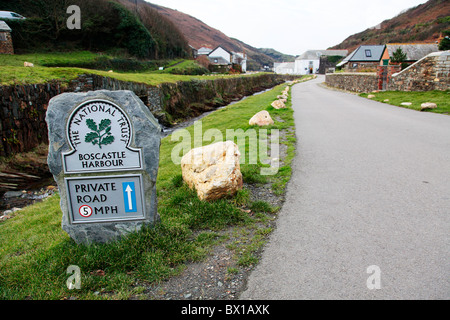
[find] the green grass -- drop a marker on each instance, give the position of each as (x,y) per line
(12,70)
(441,98)
(35,251)
(55,58)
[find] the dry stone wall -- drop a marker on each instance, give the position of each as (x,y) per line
(429,73)
(356,82)
(23,107)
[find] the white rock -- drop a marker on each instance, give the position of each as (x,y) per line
(406,103)
(262,118)
(370,96)
(428,106)
(278,104)
(214,170)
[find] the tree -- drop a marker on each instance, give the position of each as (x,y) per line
(398,56)
(445,42)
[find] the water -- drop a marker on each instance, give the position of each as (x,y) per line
(166,131)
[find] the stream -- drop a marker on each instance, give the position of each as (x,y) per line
(30,188)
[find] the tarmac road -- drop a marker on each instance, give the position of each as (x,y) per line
(370,187)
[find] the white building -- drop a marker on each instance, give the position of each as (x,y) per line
(221,56)
(284,67)
(240,58)
(309,61)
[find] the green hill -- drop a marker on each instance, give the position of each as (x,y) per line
(277,56)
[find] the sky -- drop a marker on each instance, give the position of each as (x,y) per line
(290,26)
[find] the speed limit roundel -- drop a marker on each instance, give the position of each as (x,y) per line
(85,211)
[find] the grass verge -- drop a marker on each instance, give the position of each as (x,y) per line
(441,98)
(61,66)
(35,252)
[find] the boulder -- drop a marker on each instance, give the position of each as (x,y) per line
(278,104)
(406,103)
(214,170)
(428,106)
(28,64)
(262,118)
(371,96)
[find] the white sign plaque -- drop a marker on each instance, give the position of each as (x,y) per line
(99,133)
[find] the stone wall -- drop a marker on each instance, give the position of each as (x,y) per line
(6,46)
(430,73)
(23,107)
(22,115)
(356,82)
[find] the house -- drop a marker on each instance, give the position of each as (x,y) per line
(204,51)
(239,58)
(309,61)
(364,57)
(414,51)
(372,56)
(194,52)
(6,44)
(284,67)
(225,59)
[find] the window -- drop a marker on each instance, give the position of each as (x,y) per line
(368,53)
(2,36)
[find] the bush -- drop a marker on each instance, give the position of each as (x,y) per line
(445,43)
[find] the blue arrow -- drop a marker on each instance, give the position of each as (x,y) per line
(129,196)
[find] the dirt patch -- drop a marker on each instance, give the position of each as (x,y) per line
(25,179)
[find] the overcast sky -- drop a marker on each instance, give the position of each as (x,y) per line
(290,26)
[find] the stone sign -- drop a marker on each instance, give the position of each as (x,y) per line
(96,144)
(104,155)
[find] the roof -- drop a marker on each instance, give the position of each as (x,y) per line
(414,51)
(4,26)
(220,47)
(364,53)
(220,60)
(204,50)
(368,53)
(315,54)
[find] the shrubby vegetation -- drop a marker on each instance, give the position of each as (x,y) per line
(139,30)
(445,43)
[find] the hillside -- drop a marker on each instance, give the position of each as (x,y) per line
(420,24)
(199,34)
(106,25)
(277,56)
